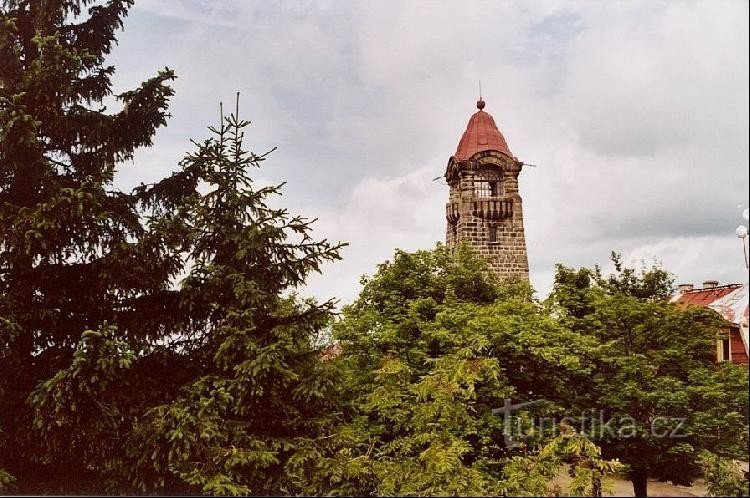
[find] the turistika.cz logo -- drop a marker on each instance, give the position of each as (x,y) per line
(591,423)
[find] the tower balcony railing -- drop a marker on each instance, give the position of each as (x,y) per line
(493,209)
(451,212)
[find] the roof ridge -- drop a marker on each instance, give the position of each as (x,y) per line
(725,286)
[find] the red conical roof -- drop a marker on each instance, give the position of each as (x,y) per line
(481,134)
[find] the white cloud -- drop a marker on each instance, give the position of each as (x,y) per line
(635,112)
(380,214)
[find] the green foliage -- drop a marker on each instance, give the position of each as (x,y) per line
(151,341)
(75,254)
(724,477)
(421,430)
(654,365)
(652,283)
(432,345)
(77,410)
(148,339)
(422,395)
(436,275)
(6,481)
(389,318)
(262,392)
(533,475)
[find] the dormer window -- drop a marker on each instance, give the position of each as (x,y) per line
(488,182)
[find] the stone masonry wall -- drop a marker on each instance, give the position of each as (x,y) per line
(471,217)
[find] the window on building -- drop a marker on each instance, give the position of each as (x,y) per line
(493,233)
(724,351)
(488,182)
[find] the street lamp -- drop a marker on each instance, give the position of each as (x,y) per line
(741,233)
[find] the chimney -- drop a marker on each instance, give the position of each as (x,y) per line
(683,288)
(710,284)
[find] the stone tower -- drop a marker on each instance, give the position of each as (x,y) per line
(484,207)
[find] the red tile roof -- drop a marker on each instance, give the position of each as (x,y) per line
(704,297)
(481,134)
(731,302)
(330,352)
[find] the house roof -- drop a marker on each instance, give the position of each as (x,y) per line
(704,297)
(733,306)
(481,135)
(730,301)
(330,352)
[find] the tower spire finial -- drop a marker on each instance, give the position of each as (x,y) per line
(480,102)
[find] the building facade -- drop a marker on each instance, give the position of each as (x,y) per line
(484,206)
(731,302)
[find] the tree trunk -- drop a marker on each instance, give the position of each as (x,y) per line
(639,478)
(596,486)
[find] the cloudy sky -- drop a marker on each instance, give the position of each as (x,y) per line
(635,113)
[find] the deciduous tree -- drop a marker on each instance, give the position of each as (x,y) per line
(431,346)
(653,373)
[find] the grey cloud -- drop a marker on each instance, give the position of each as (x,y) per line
(635,112)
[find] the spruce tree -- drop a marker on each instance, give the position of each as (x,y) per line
(73,254)
(262,396)
(145,335)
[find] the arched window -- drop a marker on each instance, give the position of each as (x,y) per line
(488,182)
